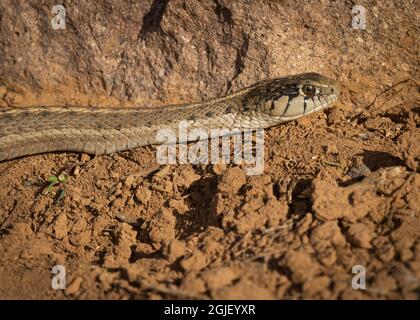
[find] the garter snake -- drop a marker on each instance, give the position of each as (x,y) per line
(33,130)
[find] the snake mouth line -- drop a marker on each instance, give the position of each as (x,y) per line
(329,100)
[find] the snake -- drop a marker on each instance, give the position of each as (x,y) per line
(26,131)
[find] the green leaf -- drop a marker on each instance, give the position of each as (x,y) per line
(52,179)
(49,187)
(61,195)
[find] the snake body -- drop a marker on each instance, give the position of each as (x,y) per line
(33,130)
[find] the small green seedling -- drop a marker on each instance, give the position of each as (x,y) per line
(60,180)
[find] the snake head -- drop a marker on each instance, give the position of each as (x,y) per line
(295,96)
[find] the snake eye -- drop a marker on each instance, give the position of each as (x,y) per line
(309,90)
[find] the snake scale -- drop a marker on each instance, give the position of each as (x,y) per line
(32,130)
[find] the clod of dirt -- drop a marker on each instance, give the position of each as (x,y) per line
(358,169)
(335,116)
(80,235)
(121,252)
(195,262)
(143,194)
(192,283)
(162,180)
(13,98)
(332,202)
(178,205)
(252,208)
(355,201)
(3,91)
(244,289)
(360,235)
(231,180)
(161,227)
(173,250)
(301,266)
(74,287)
(328,234)
(185,178)
(384,249)
(60,226)
(217,278)
(317,285)
(404,238)
(409,144)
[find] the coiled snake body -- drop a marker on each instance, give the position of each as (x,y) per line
(34,130)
